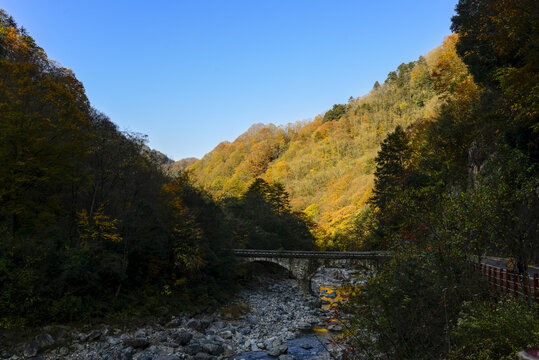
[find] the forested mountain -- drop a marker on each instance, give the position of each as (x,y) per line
(460,185)
(327,165)
(437,164)
(91,221)
(180,165)
(156,156)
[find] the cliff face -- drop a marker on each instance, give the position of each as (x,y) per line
(478,157)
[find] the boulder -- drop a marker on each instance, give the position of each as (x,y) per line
(140,333)
(286,357)
(167,357)
(113,340)
(31,348)
(63,351)
(273,352)
(193,349)
(164,311)
(203,356)
(44,340)
(205,323)
(214,349)
(219,339)
(289,336)
(94,335)
(278,350)
(164,349)
(162,338)
(219,324)
(137,343)
(335,327)
(303,325)
(146,357)
(119,355)
(244,331)
(195,325)
(182,337)
(175,322)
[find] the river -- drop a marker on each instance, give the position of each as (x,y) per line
(266,320)
(313,340)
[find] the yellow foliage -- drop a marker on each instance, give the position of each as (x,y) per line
(323,130)
(365,197)
(312,211)
(279,172)
(328,167)
(14,41)
(97,227)
(186,230)
(449,73)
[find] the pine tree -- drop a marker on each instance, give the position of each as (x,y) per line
(279,198)
(391,164)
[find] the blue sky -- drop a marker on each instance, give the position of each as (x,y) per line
(190,74)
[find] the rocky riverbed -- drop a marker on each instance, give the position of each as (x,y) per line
(267,320)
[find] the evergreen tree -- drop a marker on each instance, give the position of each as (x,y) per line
(279,198)
(335,113)
(391,166)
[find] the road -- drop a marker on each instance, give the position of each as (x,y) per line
(501,263)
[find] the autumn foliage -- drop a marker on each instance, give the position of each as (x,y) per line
(327,164)
(90,225)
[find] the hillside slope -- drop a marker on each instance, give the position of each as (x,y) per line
(327,164)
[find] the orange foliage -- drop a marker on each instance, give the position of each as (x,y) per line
(328,167)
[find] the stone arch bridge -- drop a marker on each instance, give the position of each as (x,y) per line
(304,264)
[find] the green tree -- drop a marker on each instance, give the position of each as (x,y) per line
(391,168)
(335,113)
(497,40)
(495,330)
(498,216)
(264,216)
(279,198)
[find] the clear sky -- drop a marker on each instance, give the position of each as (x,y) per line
(190,74)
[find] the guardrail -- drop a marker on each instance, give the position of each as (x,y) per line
(508,282)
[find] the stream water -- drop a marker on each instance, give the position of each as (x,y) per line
(310,346)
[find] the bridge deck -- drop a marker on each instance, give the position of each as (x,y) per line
(311,254)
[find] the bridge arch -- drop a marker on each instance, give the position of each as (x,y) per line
(300,269)
(305,264)
(273,261)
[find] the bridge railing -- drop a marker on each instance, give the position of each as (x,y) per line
(313,254)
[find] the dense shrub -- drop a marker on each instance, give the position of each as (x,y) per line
(407,310)
(490,330)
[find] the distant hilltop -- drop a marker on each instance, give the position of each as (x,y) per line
(180,165)
(155,156)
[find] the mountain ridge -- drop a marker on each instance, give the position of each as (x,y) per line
(327,164)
